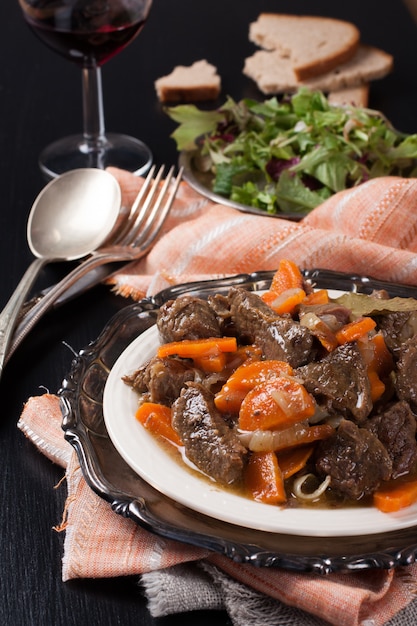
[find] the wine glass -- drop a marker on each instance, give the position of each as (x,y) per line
(89,33)
(412,7)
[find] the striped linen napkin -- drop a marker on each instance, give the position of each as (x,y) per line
(206,240)
(370,230)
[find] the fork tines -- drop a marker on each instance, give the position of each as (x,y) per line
(151,207)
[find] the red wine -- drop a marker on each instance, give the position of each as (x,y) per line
(86,32)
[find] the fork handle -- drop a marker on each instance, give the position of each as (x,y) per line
(10,313)
(42,306)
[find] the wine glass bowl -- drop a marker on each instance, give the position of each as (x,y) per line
(411,5)
(89,33)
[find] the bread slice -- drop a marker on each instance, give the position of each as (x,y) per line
(274,75)
(351,96)
(312,45)
(194,83)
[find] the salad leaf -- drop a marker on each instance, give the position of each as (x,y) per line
(192,124)
(289,154)
(295,197)
(406,149)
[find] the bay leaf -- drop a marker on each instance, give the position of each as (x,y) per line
(363,304)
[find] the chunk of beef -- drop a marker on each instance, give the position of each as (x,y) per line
(187,317)
(396,429)
(208,441)
(397,328)
(406,379)
(340,383)
(278,337)
(221,306)
(355,460)
(162,379)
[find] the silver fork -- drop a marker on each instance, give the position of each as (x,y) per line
(132,240)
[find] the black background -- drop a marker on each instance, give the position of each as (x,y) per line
(40,101)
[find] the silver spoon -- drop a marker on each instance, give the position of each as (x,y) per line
(71,217)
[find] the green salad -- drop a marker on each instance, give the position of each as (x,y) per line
(288,155)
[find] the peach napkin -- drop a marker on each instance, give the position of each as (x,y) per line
(369,230)
(205,240)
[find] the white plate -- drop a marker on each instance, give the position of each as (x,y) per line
(144,455)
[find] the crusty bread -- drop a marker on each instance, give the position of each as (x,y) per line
(312,45)
(351,96)
(273,74)
(194,83)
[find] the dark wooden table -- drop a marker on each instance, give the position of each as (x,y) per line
(40,100)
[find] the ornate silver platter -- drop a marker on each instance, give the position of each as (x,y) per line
(112,478)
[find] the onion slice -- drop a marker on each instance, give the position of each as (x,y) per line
(270,440)
(314,495)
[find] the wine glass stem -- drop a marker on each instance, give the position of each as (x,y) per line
(93,115)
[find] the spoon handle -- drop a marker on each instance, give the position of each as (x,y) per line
(10,313)
(46,302)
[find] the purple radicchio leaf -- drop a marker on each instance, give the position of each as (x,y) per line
(275,166)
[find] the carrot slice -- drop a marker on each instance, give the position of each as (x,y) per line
(321,296)
(275,404)
(285,302)
(286,290)
(249,352)
(391,498)
(287,276)
(252,373)
(355,330)
(321,330)
(157,419)
(377,386)
(263,478)
(212,363)
(292,461)
(379,363)
(191,348)
(243,354)
(245,378)
(382,361)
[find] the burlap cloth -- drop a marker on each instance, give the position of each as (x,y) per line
(370,230)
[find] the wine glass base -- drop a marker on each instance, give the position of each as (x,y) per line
(116,150)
